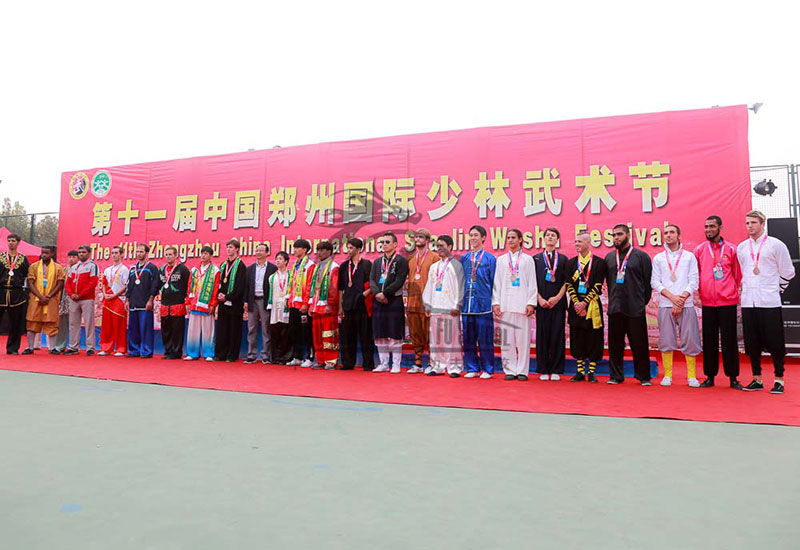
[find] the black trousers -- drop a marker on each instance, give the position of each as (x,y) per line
(719,322)
(279,340)
(763,330)
(586,343)
(300,335)
(17,326)
(551,346)
(635,328)
(228,336)
(173,329)
(357,327)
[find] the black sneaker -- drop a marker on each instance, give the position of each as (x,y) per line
(591,378)
(755,385)
(522,377)
(454,375)
(510,377)
(249,361)
(736,385)
(777,388)
(646,383)
(707,383)
(579,377)
(89,352)
(71,352)
(55,352)
(27,351)
(614,381)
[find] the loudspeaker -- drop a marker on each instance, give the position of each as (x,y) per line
(785,229)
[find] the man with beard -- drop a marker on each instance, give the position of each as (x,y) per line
(720,276)
(355,304)
(629,271)
(144,284)
(766,271)
(13,296)
(386,281)
(418,321)
(586,274)
(45,281)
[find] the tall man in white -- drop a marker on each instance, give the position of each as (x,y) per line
(514,298)
(766,271)
(675,277)
(442,298)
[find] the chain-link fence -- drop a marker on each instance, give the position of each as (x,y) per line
(40,228)
(783,202)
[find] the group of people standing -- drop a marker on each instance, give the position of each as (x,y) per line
(316,313)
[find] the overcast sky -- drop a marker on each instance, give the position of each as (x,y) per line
(97,84)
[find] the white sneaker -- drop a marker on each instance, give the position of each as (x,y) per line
(414,370)
(471,375)
(294,363)
(396,369)
(101,353)
(381,368)
(428,369)
(555,377)
(209,359)
(306,364)
(188,358)
(544,377)
(485,376)
(694,383)
(119,354)
(667,381)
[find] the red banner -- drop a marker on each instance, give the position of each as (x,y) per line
(646,170)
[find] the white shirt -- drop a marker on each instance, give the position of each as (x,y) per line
(277,313)
(117,277)
(452,290)
(511,298)
(775,271)
(687,276)
(261,270)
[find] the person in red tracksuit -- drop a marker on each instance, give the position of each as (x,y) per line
(81,284)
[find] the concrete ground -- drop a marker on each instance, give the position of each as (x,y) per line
(90,464)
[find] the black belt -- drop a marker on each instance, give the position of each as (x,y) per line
(259,297)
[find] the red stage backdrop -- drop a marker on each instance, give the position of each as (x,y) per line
(645,170)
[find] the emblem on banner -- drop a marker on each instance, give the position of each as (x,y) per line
(78,185)
(101,184)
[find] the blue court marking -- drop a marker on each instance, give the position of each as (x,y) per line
(71,508)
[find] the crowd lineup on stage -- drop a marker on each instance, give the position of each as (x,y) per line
(315,313)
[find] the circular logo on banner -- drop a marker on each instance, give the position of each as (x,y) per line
(78,185)
(101,184)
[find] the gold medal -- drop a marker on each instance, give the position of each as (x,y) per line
(673,278)
(756,270)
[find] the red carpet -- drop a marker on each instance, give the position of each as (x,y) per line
(718,404)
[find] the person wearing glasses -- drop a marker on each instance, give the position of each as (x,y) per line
(386,281)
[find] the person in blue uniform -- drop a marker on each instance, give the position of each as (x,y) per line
(144,284)
(476,310)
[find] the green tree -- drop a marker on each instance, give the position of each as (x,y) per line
(12,216)
(46,231)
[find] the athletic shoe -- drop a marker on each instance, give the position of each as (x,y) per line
(510,377)
(119,354)
(188,358)
(591,378)
(614,381)
(27,351)
(455,375)
(577,378)
(89,352)
(102,353)
(306,364)
(666,381)
(431,372)
(755,385)
(522,377)
(294,363)
(129,355)
(396,369)
(209,359)
(694,383)
(485,376)
(416,369)
(646,383)
(316,366)
(428,370)
(54,352)
(736,385)
(555,377)
(471,375)
(330,366)
(381,368)
(544,377)
(707,383)
(777,388)
(249,361)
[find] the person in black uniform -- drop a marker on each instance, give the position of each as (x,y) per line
(629,291)
(230,310)
(356,321)
(386,280)
(551,311)
(174,287)
(586,274)
(13,294)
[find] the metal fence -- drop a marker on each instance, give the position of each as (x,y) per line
(40,228)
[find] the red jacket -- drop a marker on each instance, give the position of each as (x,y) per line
(718,292)
(82,280)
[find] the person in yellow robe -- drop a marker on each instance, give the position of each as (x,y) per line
(45,281)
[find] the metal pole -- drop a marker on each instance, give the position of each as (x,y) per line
(33,228)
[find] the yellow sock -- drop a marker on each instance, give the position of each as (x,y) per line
(580,366)
(592,366)
(666,359)
(691,367)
